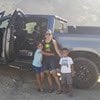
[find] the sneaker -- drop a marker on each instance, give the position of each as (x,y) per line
(65,92)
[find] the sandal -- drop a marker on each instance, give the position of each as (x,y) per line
(40,90)
(51,90)
(58,92)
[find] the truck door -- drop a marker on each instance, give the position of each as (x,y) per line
(8,43)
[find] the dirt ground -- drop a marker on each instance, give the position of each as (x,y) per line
(20,85)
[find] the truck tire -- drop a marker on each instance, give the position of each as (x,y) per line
(86,73)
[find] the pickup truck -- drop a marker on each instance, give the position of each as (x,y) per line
(17,44)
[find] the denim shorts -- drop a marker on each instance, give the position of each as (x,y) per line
(50,63)
(37,70)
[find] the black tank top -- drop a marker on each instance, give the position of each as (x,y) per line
(48,47)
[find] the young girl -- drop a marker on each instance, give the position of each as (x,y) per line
(37,66)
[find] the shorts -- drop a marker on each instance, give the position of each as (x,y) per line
(66,78)
(37,70)
(50,63)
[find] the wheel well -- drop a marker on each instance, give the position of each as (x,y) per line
(86,54)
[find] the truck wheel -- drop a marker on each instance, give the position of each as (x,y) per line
(86,73)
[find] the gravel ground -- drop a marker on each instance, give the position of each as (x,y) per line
(20,85)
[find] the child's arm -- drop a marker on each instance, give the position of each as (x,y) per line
(72,70)
(47,54)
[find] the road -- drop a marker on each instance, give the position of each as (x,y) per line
(20,85)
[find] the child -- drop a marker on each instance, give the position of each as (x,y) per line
(67,70)
(37,66)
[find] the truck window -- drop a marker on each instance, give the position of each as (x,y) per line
(4,24)
(30,27)
(60,26)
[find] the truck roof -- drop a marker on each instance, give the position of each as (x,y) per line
(46,16)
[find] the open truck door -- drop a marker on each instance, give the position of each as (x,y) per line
(8,40)
(2,14)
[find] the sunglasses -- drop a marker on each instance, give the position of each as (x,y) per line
(48,34)
(40,45)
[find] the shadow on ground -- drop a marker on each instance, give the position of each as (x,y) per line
(21,85)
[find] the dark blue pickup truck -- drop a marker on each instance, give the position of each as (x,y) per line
(17,43)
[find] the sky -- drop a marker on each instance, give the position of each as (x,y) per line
(76,12)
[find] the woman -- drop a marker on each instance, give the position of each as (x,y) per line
(49,62)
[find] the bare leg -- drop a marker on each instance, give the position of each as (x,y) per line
(42,79)
(54,74)
(38,79)
(49,80)
(63,87)
(70,90)
(47,72)
(70,87)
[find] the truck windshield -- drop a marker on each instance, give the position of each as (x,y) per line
(32,22)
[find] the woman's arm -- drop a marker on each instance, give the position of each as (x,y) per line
(72,70)
(56,47)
